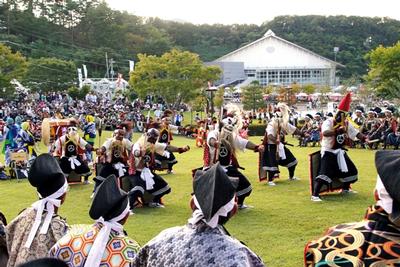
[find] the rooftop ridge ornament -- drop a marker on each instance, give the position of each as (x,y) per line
(269,33)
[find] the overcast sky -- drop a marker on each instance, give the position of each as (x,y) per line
(252,11)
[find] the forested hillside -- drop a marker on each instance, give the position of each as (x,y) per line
(83,31)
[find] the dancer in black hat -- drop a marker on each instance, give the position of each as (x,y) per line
(106,238)
(203,241)
(35,230)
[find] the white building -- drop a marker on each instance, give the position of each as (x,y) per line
(273,60)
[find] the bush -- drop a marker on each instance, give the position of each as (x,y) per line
(77,93)
(257,129)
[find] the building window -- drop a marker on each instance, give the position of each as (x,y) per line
(273,77)
(296,75)
(250,73)
(285,77)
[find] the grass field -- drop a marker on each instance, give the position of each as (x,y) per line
(277,228)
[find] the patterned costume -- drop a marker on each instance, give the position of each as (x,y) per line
(276,153)
(335,170)
(89,134)
(375,241)
(228,161)
(71,155)
(34,231)
(16,237)
(195,245)
(166,138)
(117,154)
(27,139)
(201,133)
(74,247)
(9,136)
(142,176)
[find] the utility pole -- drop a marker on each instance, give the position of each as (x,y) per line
(112,68)
(107,76)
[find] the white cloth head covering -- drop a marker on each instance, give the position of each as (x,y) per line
(49,203)
(385,201)
(223,211)
(99,245)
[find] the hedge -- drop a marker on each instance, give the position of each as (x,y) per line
(257,129)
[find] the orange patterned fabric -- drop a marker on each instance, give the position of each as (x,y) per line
(375,241)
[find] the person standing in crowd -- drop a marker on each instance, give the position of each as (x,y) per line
(204,241)
(335,164)
(142,165)
(374,241)
(89,135)
(36,229)
(105,240)
(222,145)
(70,148)
(9,135)
(390,127)
(276,152)
(27,140)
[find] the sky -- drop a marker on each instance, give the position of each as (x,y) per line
(252,11)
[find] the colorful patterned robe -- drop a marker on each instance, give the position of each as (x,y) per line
(195,245)
(75,246)
(375,241)
(17,233)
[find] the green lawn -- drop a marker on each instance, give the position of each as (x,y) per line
(277,228)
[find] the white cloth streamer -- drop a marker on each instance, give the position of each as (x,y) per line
(120,167)
(74,162)
(166,154)
(223,211)
(99,245)
(340,158)
(281,151)
(147,176)
(385,201)
(49,203)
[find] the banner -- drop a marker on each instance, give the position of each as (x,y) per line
(84,71)
(131,65)
(80,77)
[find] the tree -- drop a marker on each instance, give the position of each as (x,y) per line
(77,93)
(12,66)
(384,73)
(48,74)
(176,76)
(308,89)
(253,96)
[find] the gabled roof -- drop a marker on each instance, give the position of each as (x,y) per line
(271,34)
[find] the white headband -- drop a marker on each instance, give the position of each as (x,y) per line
(213,222)
(51,202)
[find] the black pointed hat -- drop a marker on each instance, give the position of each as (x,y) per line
(387,164)
(213,189)
(98,180)
(109,200)
(46,175)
